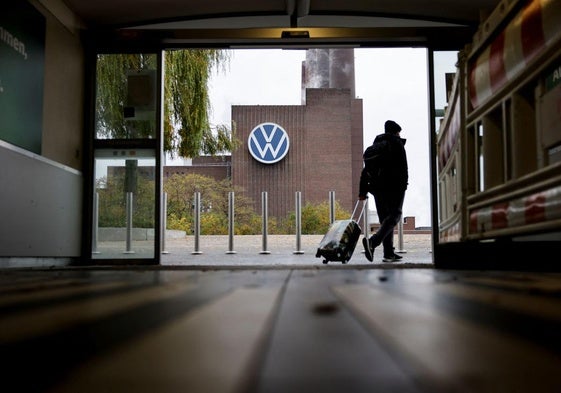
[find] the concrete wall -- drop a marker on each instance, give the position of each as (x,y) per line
(63,102)
(40,206)
(41,196)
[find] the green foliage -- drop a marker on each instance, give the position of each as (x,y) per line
(187,103)
(251,225)
(144,207)
(214,209)
(180,191)
(315,218)
(187,131)
(214,223)
(111,96)
(112,202)
(179,223)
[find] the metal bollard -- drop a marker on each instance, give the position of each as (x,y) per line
(365,220)
(95,229)
(197,221)
(365,224)
(331,206)
(365,228)
(265,223)
(230,223)
(164,223)
(298,211)
(400,237)
(129,223)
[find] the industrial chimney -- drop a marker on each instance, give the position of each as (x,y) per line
(328,68)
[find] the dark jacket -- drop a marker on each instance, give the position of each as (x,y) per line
(393,173)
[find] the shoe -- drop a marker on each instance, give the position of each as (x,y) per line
(368,250)
(392,258)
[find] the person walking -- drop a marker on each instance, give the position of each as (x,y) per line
(385,176)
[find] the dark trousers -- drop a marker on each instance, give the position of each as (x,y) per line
(389,206)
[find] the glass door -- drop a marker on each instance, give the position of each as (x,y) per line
(126,190)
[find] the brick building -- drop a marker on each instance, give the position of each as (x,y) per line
(325,139)
(217,167)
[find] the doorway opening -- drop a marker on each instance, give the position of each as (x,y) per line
(330,114)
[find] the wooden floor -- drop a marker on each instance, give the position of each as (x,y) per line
(326,329)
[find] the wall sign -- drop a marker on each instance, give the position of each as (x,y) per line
(268,143)
(22,56)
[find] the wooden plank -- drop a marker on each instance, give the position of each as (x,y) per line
(212,349)
(46,320)
(464,355)
(318,346)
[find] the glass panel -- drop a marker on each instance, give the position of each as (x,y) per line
(471,160)
(444,71)
(126,96)
(124,204)
(481,161)
(493,148)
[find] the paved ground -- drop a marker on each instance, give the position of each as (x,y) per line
(281,250)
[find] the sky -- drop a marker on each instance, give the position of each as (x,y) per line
(392,82)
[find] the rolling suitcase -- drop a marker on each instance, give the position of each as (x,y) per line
(340,240)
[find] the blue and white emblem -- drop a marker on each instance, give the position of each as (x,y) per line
(268,143)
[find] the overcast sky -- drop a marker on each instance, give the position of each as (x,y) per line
(391,82)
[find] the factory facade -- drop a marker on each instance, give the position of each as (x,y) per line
(313,148)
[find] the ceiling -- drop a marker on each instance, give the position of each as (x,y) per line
(438,23)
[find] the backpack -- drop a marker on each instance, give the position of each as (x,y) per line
(376,158)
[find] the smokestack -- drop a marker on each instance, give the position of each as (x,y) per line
(329,68)
(342,69)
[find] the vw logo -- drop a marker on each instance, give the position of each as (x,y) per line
(268,143)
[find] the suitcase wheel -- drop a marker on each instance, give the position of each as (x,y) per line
(325,261)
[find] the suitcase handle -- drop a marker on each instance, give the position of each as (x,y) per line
(361,210)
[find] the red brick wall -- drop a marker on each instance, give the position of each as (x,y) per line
(280,180)
(357,142)
(218,172)
(325,140)
(217,167)
(328,145)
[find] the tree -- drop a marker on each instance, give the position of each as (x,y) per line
(214,209)
(214,205)
(112,201)
(187,104)
(315,217)
(187,131)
